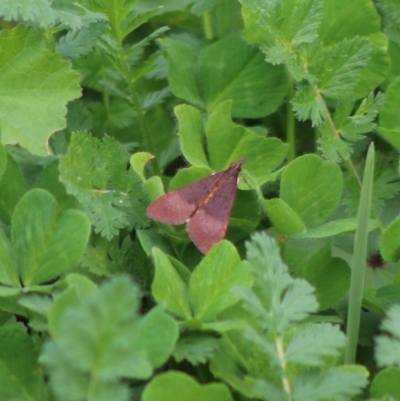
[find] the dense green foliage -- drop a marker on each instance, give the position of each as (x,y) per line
(107,104)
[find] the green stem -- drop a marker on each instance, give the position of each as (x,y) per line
(207,25)
(359,258)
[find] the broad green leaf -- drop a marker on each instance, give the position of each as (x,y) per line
(159,348)
(178,386)
(394,54)
(389,242)
(389,294)
(255,87)
(46,242)
(312,188)
(49,181)
(20,374)
(151,238)
(154,187)
(186,176)
(263,155)
(246,212)
(182,71)
(332,228)
(8,267)
(203,77)
(138,162)
(3,160)
(386,384)
(79,289)
(329,276)
(169,288)
(192,136)
(389,119)
(12,187)
(284,219)
(212,279)
(35,88)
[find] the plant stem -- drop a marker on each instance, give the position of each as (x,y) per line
(359,258)
(207,26)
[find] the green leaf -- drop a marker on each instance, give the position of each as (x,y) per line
(152,238)
(3,161)
(237,361)
(79,290)
(138,162)
(332,228)
(385,384)
(312,188)
(256,88)
(389,244)
(78,43)
(351,128)
(277,301)
(263,155)
(95,173)
(36,85)
(46,242)
(8,267)
(191,133)
(39,12)
(308,105)
(362,121)
(20,374)
(329,276)
(388,347)
(281,27)
(49,181)
(311,343)
(365,23)
(12,187)
(283,217)
(103,340)
(159,348)
(177,386)
(336,383)
(341,66)
(389,119)
(389,294)
(195,347)
(212,279)
(170,285)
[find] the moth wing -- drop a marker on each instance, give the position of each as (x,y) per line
(177,206)
(209,223)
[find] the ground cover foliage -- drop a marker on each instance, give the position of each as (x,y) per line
(107,104)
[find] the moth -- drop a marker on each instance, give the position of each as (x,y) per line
(204,205)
